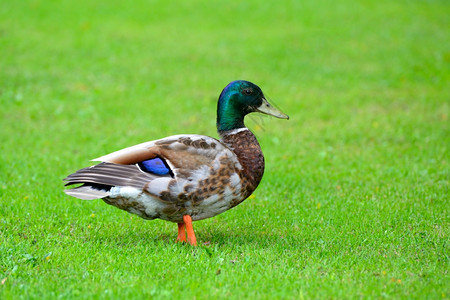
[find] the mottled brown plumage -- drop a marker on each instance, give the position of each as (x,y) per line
(249,153)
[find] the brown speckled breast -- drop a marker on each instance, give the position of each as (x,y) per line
(245,145)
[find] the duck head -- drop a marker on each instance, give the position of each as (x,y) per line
(238,99)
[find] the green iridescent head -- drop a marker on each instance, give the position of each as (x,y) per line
(238,99)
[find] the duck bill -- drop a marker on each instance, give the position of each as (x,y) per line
(268,109)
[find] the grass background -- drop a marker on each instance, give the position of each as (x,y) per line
(354,202)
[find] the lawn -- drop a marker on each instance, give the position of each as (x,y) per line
(355,198)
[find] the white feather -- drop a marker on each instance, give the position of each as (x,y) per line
(156,186)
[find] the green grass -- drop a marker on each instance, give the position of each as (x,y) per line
(354,202)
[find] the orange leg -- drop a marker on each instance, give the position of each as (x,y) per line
(190,230)
(181,234)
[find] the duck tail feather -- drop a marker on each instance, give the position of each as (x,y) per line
(87,192)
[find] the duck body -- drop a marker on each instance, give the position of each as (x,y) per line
(209,176)
(184,177)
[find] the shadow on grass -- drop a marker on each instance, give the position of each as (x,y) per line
(252,238)
(217,239)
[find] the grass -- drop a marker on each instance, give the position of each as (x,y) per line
(354,202)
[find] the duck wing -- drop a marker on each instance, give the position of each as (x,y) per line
(150,166)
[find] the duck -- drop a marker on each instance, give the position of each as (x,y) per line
(187,177)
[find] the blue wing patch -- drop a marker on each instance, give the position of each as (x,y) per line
(155,166)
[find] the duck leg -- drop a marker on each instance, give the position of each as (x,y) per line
(181,233)
(190,230)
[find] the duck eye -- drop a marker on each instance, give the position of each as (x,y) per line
(247,91)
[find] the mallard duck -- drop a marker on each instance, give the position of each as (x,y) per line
(187,177)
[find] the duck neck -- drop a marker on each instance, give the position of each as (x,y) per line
(229,117)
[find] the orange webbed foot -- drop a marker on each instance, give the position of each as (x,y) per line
(184,227)
(190,230)
(181,233)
